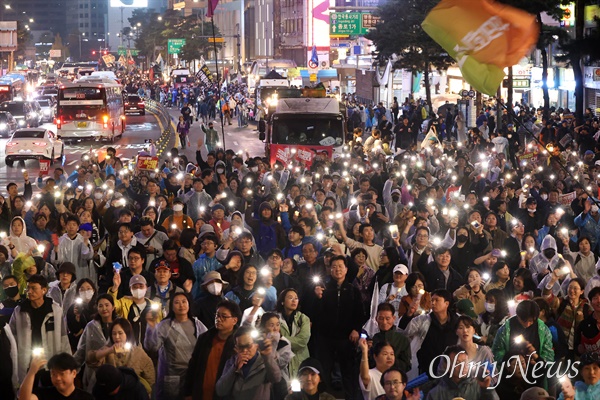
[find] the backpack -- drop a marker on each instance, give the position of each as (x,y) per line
(267,237)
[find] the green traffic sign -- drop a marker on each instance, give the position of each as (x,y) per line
(175,45)
(122,51)
(351,23)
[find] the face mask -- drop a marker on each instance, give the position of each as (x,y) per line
(531,210)
(98,196)
(489,307)
(138,293)
(86,294)
(462,238)
(11,291)
(549,253)
(220,171)
(254,169)
(595,208)
(544,196)
(214,288)
(177,207)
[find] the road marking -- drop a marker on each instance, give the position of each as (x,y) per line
(235,143)
(72,162)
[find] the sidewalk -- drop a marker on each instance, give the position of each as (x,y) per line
(244,139)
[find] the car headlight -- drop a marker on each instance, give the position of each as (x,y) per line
(3,127)
(21,122)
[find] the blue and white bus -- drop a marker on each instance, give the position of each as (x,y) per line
(90,109)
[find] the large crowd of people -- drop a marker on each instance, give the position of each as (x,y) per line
(457,265)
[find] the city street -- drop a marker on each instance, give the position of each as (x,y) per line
(138,129)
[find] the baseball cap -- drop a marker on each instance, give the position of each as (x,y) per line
(137,279)
(465,307)
(403,269)
(311,363)
(589,153)
(536,393)
(162,265)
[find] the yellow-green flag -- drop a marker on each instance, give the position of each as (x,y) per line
(483,39)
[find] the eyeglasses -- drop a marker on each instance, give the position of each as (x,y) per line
(393,383)
(244,347)
(223,317)
(134,258)
(423,236)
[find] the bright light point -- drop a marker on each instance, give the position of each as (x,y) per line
(519,339)
(155,306)
(485,276)
(316,279)
(265,271)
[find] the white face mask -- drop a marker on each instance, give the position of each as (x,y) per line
(531,210)
(544,196)
(214,288)
(98,196)
(489,307)
(86,295)
(138,293)
(254,169)
(177,207)
(220,171)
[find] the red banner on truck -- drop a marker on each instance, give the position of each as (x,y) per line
(304,155)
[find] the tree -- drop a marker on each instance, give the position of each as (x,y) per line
(399,35)
(155,30)
(547,35)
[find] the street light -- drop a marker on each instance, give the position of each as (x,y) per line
(31,20)
(7,6)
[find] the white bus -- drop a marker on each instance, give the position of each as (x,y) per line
(90,109)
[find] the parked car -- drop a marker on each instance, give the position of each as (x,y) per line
(135,104)
(33,143)
(8,124)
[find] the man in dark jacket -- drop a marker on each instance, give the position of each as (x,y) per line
(439,274)
(435,331)
(121,383)
(268,233)
(217,345)
(338,319)
(387,333)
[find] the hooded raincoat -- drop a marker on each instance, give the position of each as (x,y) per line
(22,242)
(539,264)
(174,349)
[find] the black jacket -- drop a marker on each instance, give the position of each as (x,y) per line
(130,389)
(435,279)
(194,377)
(339,312)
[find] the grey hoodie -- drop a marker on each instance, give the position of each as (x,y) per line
(539,263)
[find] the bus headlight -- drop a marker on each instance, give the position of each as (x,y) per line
(21,122)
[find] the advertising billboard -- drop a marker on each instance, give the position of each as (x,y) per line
(129,3)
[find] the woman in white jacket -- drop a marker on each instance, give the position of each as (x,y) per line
(18,241)
(174,338)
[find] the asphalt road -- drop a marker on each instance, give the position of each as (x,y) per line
(138,129)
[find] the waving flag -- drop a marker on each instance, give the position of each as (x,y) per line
(483,39)
(212,5)
(314,58)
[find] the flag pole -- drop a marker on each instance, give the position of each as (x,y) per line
(212,22)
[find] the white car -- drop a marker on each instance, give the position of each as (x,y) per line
(33,143)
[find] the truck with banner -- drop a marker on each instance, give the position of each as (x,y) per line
(304,128)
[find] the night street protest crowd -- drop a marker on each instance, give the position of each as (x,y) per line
(376,275)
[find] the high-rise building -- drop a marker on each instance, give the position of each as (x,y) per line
(40,15)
